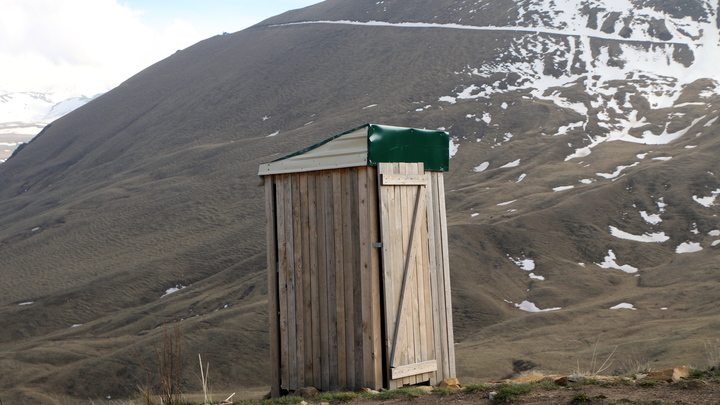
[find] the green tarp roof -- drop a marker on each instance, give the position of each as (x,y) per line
(368,145)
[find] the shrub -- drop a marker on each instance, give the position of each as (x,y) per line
(472,388)
(510,392)
(648,383)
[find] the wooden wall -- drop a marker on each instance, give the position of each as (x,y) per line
(326,287)
(416,288)
(327,299)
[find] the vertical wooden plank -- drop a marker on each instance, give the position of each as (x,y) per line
(425,333)
(355,269)
(376,268)
(298,237)
(306,281)
(389,296)
(272,272)
(433,240)
(399,229)
(446,277)
(443,361)
(316,298)
(331,250)
(410,304)
(324,279)
(364,304)
(337,270)
(291,284)
(428,332)
(348,248)
(281,190)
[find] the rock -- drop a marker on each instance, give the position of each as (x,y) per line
(670,374)
(491,395)
(562,381)
(528,379)
(550,379)
(450,383)
(425,388)
(611,379)
(576,378)
(306,392)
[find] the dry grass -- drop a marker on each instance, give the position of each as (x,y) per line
(712,351)
(635,363)
(204,375)
(166,379)
(595,367)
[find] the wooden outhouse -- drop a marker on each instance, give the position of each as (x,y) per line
(358,273)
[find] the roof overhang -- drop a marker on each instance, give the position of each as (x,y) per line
(368,145)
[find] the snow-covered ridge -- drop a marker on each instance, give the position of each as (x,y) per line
(24,114)
(592,47)
(37,107)
(575,31)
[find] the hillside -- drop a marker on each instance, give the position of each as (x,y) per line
(584,178)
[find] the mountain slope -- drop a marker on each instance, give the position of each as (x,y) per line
(584,168)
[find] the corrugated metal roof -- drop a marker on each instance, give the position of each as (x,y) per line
(368,145)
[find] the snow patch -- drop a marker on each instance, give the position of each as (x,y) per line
(564,129)
(483,166)
(528,306)
(448,99)
(174,290)
(688,247)
(658,237)
(652,219)
(521,178)
(486,118)
(525,264)
(610,263)
(624,305)
(507,202)
(562,188)
(454,147)
(514,163)
(617,171)
(708,201)
(22,304)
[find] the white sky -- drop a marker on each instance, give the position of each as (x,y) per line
(90,46)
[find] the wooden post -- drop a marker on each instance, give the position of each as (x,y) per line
(273,309)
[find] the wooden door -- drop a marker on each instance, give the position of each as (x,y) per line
(409,336)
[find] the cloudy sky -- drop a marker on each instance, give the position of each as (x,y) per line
(90,46)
